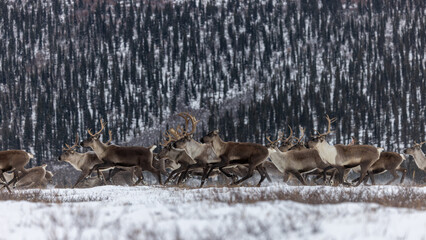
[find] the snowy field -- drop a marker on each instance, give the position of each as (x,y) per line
(156,212)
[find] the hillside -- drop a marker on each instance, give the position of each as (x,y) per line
(248,68)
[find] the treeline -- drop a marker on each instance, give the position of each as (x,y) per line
(249,68)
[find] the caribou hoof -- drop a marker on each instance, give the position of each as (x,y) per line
(346,184)
(234,178)
(235,183)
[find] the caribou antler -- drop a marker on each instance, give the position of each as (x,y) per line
(354,140)
(110,137)
(169,139)
(175,134)
(180,131)
(330,121)
(302,132)
(280,136)
(182,115)
(194,123)
(188,117)
(99,132)
(419,144)
(289,137)
(73,146)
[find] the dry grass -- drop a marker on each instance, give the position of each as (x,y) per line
(403,197)
(30,196)
(44,197)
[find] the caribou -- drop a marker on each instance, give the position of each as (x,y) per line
(388,161)
(13,160)
(342,157)
(297,161)
(118,156)
(179,156)
(82,162)
(197,156)
(418,155)
(36,177)
(230,153)
(202,154)
(287,143)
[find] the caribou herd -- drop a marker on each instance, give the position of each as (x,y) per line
(182,157)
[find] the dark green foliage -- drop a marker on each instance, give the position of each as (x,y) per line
(253,66)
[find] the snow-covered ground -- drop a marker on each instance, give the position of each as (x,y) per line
(154,212)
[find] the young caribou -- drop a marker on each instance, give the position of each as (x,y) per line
(341,157)
(418,155)
(13,160)
(36,177)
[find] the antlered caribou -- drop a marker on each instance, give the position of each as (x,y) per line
(118,156)
(342,157)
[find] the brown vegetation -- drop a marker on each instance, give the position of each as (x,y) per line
(404,197)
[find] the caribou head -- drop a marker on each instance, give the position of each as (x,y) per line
(288,142)
(68,151)
(299,145)
(320,137)
(175,139)
(417,147)
(210,137)
(49,176)
(94,140)
(184,135)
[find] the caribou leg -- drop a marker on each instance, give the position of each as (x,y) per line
(324,173)
(371,176)
(249,175)
(223,163)
(365,165)
(82,176)
(183,175)
(203,178)
(112,173)
(3,178)
(14,179)
(267,176)
(263,173)
(6,186)
(395,176)
(139,174)
(182,168)
(404,172)
(341,173)
(199,164)
(4,183)
(103,165)
(286,177)
(298,176)
(154,171)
